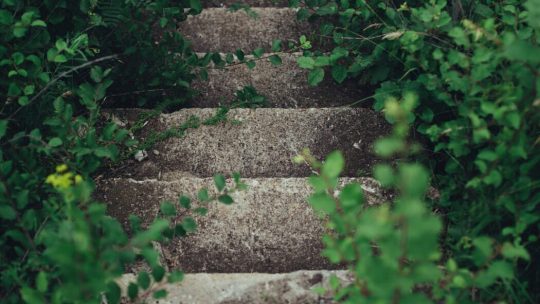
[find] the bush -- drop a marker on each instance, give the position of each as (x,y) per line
(475,69)
(61,62)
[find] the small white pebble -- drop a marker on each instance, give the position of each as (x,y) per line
(140,155)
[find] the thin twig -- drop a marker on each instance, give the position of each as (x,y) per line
(82,66)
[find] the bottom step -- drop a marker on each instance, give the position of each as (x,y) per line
(240,288)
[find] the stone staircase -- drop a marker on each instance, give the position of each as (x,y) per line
(265,248)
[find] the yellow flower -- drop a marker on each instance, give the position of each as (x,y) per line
(61,168)
(63,179)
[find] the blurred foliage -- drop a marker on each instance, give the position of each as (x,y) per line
(474,66)
(60,63)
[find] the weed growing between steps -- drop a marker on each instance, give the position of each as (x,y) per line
(475,69)
(61,62)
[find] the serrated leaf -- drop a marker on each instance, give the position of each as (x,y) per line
(339,73)
(306,62)
(315,76)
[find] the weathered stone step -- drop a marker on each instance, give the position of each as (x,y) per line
(219,30)
(261,142)
(284,85)
(247,288)
(269,228)
(252,3)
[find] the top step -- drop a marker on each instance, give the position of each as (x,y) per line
(251,3)
(220,30)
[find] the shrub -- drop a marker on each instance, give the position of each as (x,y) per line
(61,62)
(474,67)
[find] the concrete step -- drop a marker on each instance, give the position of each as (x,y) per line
(284,85)
(248,288)
(269,228)
(252,3)
(219,30)
(260,142)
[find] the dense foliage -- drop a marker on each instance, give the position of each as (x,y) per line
(475,68)
(60,62)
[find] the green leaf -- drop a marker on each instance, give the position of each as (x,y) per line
(384,174)
(40,23)
(533,8)
(41,281)
(219,181)
(6,18)
(258,52)
(60,58)
(3,127)
(185,201)
(175,276)
(31,296)
(226,199)
(459,35)
(315,76)
(229,58)
(19,31)
(160,294)
(328,9)
(163,22)
(195,5)
(322,202)
(7,212)
(240,55)
(105,152)
(276,45)
(189,224)
(339,73)
(96,73)
(133,290)
(275,60)
(351,195)
(334,165)
(306,62)
(113,293)
(167,209)
(55,142)
(250,64)
(158,272)
(143,279)
(203,195)
(61,45)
